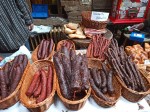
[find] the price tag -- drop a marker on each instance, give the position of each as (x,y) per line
(146,62)
(99,16)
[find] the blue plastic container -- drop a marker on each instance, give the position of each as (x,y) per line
(39,10)
(137,36)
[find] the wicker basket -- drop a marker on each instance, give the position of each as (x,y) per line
(30,103)
(145,73)
(13,97)
(88,23)
(60,43)
(116,85)
(73,105)
(34,54)
(134,96)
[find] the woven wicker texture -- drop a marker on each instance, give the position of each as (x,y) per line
(30,103)
(61,43)
(13,97)
(116,85)
(88,23)
(34,54)
(73,105)
(134,96)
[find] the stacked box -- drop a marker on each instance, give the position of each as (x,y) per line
(74,8)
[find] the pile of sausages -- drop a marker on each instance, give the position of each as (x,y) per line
(124,67)
(101,82)
(10,75)
(67,43)
(41,85)
(98,46)
(45,48)
(73,74)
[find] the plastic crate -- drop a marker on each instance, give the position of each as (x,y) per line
(39,10)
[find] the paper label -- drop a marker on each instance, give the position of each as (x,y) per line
(99,16)
(146,62)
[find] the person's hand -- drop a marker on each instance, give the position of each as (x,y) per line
(30,27)
(137,26)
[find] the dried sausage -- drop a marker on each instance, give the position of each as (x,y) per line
(61,76)
(43,85)
(33,83)
(40,49)
(16,79)
(6,72)
(97,91)
(3,84)
(110,87)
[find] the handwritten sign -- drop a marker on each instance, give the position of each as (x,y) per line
(99,16)
(146,62)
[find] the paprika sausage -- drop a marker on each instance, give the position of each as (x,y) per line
(33,84)
(38,90)
(43,85)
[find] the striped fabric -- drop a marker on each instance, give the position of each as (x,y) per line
(14,18)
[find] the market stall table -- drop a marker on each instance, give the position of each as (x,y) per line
(90,106)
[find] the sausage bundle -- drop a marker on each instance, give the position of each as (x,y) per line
(45,48)
(125,68)
(67,43)
(41,84)
(98,46)
(101,82)
(72,72)
(10,75)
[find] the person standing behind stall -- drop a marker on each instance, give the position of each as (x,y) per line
(15,23)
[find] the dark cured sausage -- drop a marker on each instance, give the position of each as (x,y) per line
(16,79)
(49,81)
(43,50)
(103,77)
(97,92)
(46,48)
(40,49)
(33,83)
(14,62)
(95,77)
(65,51)
(6,72)
(3,84)
(50,48)
(20,59)
(140,78)
(43,85)
(25,61)
(61,77)
(85,76)
(110,87)
(67,68)
(76,78)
